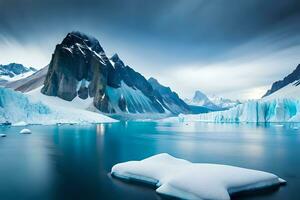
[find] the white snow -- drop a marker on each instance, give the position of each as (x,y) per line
(212,102)
(17,77)
(36,108)
(291,91)
(100,55)
(273,110)
(20,123)
(68,49)
(223,102)
(185,180)
(25,131)
(79,47)
(134,98)
(83,83)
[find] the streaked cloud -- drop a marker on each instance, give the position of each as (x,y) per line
(233,48)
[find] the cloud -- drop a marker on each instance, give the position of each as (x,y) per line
(13,51)
(244,75)
(229,48)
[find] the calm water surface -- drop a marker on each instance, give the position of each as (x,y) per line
(73,162)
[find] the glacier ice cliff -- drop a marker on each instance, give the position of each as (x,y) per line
(274,110)
(21,109)
(15,106)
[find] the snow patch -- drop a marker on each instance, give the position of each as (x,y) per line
(135,99)
(291,91)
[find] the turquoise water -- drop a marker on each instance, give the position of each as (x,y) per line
(73,162)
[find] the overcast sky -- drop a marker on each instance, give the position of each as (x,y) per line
(235,48)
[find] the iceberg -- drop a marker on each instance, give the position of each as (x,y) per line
(271,110)
(25,131)
(186,180)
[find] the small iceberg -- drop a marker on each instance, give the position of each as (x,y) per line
(2,135)
(25,131)
(20,123)
(185,180)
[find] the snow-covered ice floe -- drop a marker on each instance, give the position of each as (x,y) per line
(183,179)
(25,131)
(20,123)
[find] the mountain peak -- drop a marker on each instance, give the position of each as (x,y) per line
(169,99)
(13,69)
(153,80)
(199,96)
(118,62)
(76,37)
(115,58)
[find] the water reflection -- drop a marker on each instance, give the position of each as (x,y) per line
(100,128)
(73,162)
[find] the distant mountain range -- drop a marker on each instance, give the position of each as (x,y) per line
(281,103)
(14,71)
(81,78)
(287,87)
(213,103)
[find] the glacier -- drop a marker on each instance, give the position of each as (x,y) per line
(264,110)
(31,108)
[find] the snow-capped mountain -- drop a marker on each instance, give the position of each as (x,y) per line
(169,99)
(223,103)
(80,69)
(287,87)
(14,71)
(214,103)
(200,99)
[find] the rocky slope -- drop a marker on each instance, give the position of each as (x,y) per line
(169,99)
(80,68)
(29,83)
(293,80)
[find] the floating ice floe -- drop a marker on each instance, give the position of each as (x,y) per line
(2,135)
(25,131)
(183,179)
(20,123)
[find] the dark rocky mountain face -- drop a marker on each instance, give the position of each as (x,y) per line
(169,99)
(80,67)
(14,69)
(291,78)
